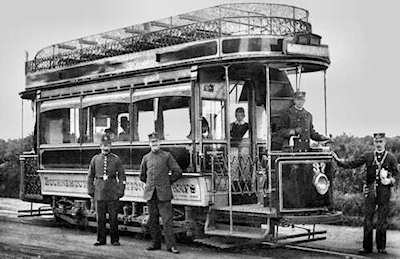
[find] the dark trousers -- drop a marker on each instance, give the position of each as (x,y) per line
(110,207)
(163,208)
(376,202)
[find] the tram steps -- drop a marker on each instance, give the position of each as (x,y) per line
(248,209)
(214,226)
(237,231)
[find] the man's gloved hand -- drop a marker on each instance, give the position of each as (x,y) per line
(295,131)
(336,158)
(298,130)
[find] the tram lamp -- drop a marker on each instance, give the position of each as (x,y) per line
(321,183)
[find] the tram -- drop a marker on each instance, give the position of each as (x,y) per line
(184,77)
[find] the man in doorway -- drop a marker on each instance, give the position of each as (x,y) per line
(106,184)
(155,168)
(239,127)
(296,122)
(381,167)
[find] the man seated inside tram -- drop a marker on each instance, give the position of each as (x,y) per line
(124,135)
(239,127)
(110,132)
(296,126)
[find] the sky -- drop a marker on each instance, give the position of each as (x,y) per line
(363,38)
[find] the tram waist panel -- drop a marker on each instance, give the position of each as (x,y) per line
(304,183)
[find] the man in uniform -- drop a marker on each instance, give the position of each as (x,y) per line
(155,168)
(106,183)
(297,122)
(381,167)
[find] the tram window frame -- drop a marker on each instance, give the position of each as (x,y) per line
(112,121)
(212,126)
(160,119)
(236,101)
(68,127)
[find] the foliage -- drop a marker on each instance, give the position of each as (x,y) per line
(9,164)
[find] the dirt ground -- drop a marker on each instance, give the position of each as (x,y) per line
(44,238)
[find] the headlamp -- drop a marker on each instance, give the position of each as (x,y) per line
(321,183)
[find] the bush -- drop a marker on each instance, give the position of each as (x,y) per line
(10,166)
(352,206)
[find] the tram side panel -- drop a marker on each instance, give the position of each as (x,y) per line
(60,179)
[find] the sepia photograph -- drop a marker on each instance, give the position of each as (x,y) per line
(199,129)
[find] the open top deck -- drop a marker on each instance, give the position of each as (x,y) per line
(209,23)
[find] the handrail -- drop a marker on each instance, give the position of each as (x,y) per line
(214,22)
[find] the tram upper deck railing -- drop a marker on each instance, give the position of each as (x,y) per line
(209,23)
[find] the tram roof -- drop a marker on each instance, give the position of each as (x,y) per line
(213,22)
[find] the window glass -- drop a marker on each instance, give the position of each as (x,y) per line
(176,117)
(59,126)
(168,116)
(109,118)
(144,119)
(213,119)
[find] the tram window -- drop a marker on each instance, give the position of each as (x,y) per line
(176,117)
(163,115)
(145,118)
(106,118)
(214,115)
(59,126)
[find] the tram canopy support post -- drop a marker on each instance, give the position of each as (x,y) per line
(298,77)
(228,146)
(22,123)
(268,141)
(325,105)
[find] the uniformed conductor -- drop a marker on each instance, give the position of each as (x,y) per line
(381,167)
(297,121)
(106,183)
(155,168)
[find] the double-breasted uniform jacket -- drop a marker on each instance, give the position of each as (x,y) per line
(155,168)
(390,164)
(111,188)
(300,121)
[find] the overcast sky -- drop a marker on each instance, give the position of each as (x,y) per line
(363,37)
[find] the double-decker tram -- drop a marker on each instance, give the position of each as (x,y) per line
(185,77)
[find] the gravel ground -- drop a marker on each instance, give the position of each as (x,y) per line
(44,238)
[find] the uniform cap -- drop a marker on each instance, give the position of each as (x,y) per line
(106,139)
(153,135)
(379,135)
(300,95)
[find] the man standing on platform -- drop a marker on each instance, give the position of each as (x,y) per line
(155,168)
(381,167)
(297,122)
(106,183)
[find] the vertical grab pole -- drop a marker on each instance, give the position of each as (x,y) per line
(268,111)
(228,145)
(22,124)
(325,105)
